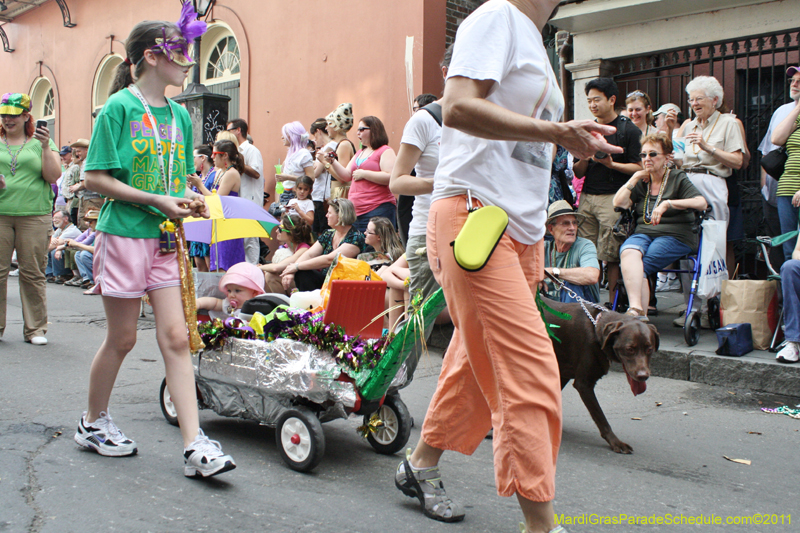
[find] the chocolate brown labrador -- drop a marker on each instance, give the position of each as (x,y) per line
(586,351)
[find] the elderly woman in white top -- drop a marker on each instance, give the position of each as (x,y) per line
(714,144)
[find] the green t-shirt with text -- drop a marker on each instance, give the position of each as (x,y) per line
(26,192)
(123,144)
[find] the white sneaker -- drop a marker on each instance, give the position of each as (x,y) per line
(671,284)
(789,354)
(14,273)
(104,437)
(38,341)
(204,457)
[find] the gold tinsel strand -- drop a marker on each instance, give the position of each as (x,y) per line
(187,289)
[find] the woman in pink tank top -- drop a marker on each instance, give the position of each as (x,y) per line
(369,172)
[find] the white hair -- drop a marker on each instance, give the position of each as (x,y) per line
(709,86)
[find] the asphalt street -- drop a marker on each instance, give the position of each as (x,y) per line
(680,432)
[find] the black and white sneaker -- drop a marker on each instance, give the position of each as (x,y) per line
(204,458)
(104,437)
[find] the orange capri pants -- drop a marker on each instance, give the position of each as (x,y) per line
(500,370)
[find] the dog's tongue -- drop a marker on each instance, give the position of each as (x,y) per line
(637,387)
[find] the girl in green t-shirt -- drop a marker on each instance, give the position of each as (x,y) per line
(138,159)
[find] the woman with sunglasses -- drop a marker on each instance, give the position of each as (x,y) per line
(640,111)
(308,272)
(295,238)
(369,172)
(661,199)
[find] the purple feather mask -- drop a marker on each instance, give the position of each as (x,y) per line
(176,48)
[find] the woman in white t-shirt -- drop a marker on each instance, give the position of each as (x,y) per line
(299,160)
(501,108)
(322,183)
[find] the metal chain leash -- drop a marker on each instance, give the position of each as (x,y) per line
(563,287)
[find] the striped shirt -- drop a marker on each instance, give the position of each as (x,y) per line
(790,179)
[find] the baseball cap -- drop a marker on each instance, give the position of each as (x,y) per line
(791,71)
(664,109)
(244,275)
(66,149)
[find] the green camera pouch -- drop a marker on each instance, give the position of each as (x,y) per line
(479,237)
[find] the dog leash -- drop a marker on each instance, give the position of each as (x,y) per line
(562,286)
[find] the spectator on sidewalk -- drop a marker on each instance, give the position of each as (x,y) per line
(253,184)
(66,161)
(83,247)
(88,199)
(769,184)
(322,183)
(787,133)
(340,121)
(73,178)
(299,160)
(790,285)
(30,165)
(570,258)
(56,271)
(369,172)
(605,175)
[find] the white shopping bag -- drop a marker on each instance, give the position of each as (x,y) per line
(712,259)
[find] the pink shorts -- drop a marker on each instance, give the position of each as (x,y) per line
(129,268)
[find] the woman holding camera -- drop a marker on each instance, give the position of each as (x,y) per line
(29,165)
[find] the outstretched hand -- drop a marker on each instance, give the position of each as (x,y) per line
(584,138)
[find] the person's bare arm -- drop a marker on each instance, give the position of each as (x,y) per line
(580,168)
(381,178)
(786,126)
(401,181)
(104,183)
(465,108)
(250,171)
(209,304)
(51,161)
(578,275)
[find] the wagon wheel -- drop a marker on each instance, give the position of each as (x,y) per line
(691,328)
(300,440)
(167,407)
(393,435)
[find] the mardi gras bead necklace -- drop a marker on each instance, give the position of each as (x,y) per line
(14,154)
(167,240)
(218,179)
(648,217)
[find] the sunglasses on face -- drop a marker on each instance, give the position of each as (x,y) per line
(217,153)
(283,229)
(362,129)
(652,155)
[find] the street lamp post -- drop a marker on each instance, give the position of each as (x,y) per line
(208,111)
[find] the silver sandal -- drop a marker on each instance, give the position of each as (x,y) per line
(426,485)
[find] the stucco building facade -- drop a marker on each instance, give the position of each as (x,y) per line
(278,61)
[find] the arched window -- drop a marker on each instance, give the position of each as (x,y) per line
(220,64)
(103,79)
(43,103)
(224,60)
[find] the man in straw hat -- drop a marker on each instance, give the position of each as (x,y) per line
(74,185)
(570,258)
